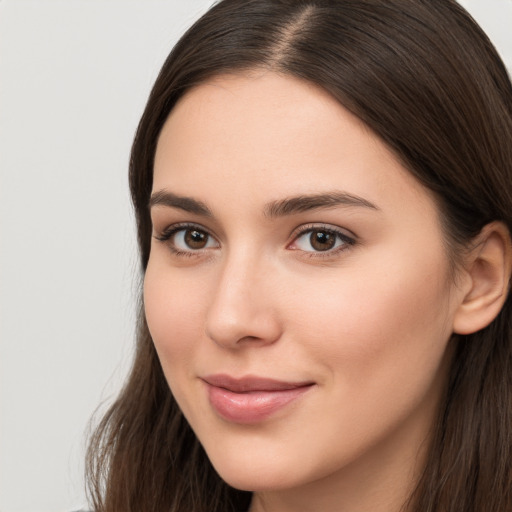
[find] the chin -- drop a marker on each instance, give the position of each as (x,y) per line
(245,475)
(256,482)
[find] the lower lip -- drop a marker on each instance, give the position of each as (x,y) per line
(252,406)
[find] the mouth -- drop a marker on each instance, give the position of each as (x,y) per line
(251,399)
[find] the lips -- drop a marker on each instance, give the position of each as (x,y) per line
(251,399)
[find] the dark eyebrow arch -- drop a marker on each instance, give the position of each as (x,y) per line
(166,198)
(304,203)
(280,208)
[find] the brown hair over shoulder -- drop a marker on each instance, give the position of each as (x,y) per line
(424,77)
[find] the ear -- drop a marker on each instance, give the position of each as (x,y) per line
(485,280)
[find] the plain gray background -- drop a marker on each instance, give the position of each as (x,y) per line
(74,77)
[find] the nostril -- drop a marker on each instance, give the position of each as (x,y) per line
(250,339)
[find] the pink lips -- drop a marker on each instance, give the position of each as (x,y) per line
(251,399)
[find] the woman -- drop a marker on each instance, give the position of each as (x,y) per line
(323,197)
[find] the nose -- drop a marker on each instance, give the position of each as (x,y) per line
(243,310)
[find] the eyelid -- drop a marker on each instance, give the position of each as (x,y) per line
(310,226)
(166,234)
(169,230)
(348,238)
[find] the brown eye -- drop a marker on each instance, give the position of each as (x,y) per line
(322,240)
(195,239)
(319,239)
(190,239)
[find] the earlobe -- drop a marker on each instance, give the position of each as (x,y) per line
(487,276)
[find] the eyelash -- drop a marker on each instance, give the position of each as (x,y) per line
(169,232)
(347,241)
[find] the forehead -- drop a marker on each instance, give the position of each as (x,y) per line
(265,135)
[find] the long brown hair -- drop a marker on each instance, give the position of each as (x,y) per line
(425,78)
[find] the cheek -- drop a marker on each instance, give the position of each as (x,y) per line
(378,322)
(377,337)
(173,307)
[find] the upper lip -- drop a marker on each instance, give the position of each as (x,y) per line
(252,383)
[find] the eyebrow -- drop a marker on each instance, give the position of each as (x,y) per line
(166,198)
(304,203)
(280,208)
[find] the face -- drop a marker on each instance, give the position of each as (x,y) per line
(298,291)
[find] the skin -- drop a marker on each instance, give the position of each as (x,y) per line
(368,322)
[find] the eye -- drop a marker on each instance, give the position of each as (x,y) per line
(321,239)
(192,238)
(187,239)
